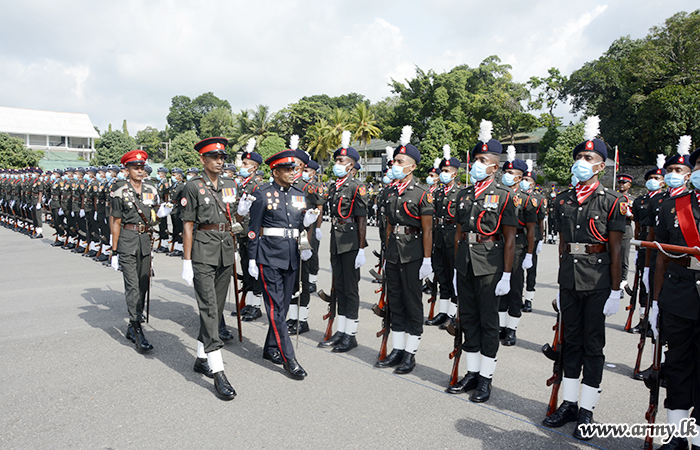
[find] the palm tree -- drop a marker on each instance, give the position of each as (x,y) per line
(339,123)
(252,124)
(321,140)
(364,127)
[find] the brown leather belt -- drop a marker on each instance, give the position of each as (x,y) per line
(341,221)
(445,221)
(689,262)
(407,230)
(581,249)
(479,238)
(215,227)
(138,227)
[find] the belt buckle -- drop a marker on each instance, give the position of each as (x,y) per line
(288,233)
(222,227)
(577,249)
(693,264)
(473,238)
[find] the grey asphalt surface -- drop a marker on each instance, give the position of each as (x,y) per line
(71,380)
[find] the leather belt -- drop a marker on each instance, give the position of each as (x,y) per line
(398,229)
(138,227)
(445,221)
(689,262)
(477,238)
(215,227)
(291,233)
(583,249)
(341,221)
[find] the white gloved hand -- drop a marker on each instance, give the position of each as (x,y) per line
(38,206)
(645,279)
(115,261)
(527,262)
(558,303)
(244,204)
(612,304)
(12,204)
(654,318)
(360,258)
(72,213)
(319,234)
(539,248)
(187,272)
(82,213)
(425,269)
(310,217)
(60,211)
(454,281)
(94,216)
(307,254)
(503,286)
(163,210)
(253,269)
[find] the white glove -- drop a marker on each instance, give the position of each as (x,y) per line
(612,304)
(253,269)
(319,234)
(82,213)
(454,281)
(539,248)
(115,261)
(163,211)
(12,204)
(425,269)
(645,279)
(187,272)
(527,262)
(94,216)
(310,217)
(360,258)
(60,211)
(38,206)
(503,286)
(558,303)
(244,204)
(654,319)
(306,255)
(72,213)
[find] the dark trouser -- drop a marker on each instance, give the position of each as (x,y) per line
(305,286)
(58,221)
(639,264)
(625,255)
(531,276)
(250,284)
(163,229)
(177,229)
(71,223)
(682,367)
(478,312)
(584,334)
(211,285)
(513,300)
(347,279)
(278,287)
(36,217)
(403,291)
(443,260)
(93,230)
(313,261)
(135,269)
(103,227)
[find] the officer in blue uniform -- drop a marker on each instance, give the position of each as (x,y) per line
(277,216)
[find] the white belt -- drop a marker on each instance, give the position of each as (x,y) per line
(292,233)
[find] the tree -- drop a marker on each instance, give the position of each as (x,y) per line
(125,129)
(149,139)
(217,122)
(14,154)
(111,147)
(181,117)
(551,92)
(269,146)
(252,124)
(182,152)
(558,160)
(321,141)
(363,126)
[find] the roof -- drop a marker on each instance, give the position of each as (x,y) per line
(51,123)
(530,137)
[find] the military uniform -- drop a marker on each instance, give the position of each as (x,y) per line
(531,273)
(163,187)
(66,209)
(176,194)
(250,285)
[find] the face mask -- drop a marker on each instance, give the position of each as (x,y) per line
(695,179)
(478,171)
(397,172)
(386,180)
(272,179)
(244,172)
(582,170)
(552,195)
(86,177)
(674,180)
(305,176)
(189,177)
(99,177)
(339,170)
(508,179)
(430,181)
(53,177)
(574,180)
(445,177)
(121,176)
(109,175)
(654,185)
(173,179)
(525,185)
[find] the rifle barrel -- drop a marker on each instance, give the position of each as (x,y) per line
(668,247)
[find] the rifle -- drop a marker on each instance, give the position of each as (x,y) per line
(330,316)
(235,284)
(638,374)
(653,382)
(555,353)
(633,299)
(666,247)
(150,274)
(433,297)
(382,310)
(456,353)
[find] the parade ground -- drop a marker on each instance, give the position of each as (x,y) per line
(72,380)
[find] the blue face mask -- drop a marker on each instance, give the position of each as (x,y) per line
(430,180)
(99,177)
(189,177)
(574,180)
(445,177)
(655,185)
(173,179)
(478,171)
(272,179)
(582,170)
(244,172)
(674,180)
(305,176)
(397,172)
(695,179)
(386,180)
(525,185)
(53,177)
(121,176)
(508,179)
(339,170)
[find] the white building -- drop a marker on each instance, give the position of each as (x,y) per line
(50,131)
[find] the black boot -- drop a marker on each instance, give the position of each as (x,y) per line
(223,388)
(586,417)
(201,365)
(527,306)
(254,313)
(677,443)
(142,344)
(567,412)
(438,320)
(509,340)
(483,390)
(224,333)
(501,333)
(303,327)
(392,359)
(346,344)
(294,369)
(407,364)
(333,341)
(469,382)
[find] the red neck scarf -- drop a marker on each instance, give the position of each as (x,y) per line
(401,187)
(340,182)
(480,187)
(675,191)
(583,191)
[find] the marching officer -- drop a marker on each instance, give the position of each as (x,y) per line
(315,234)
(209,255)
(347,202)
(624,183)
(527,184)
(37,193)
(277,216)
(486,223)
(78,209)
(177,191)
(163,185)
(409,242)
(591,222)
(55,204)
(101,205)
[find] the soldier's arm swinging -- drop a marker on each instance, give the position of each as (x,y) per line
(458,236)
(530,232)
(187,232)
(361,229)
(615,251)
(426,223)
(116,227)
(509,249)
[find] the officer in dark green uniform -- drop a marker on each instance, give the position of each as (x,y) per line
(486,226)
(209,255)
(409,242)
(528,184)
(55,204)
(101,206)
(163,185)
(66,209)
(176,193)
(78,208)
(91,188)
(624,183)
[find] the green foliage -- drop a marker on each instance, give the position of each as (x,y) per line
(548,141)
(558,160)
(551,92)
(149,139)
(182,152)
(14,155)
(363,126)
(251,124)
(125,129)
(269,146)
(217,122)
(111,147)
(186,114)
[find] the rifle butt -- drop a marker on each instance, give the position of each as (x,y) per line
(454,376)
(329,327)
(553,398)
(383,346)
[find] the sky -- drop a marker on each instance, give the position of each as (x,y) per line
(127,59)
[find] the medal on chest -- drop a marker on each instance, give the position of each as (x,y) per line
(491,201)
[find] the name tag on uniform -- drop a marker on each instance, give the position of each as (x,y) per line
(228,195)
(491,201)
(148,198)
(298,201)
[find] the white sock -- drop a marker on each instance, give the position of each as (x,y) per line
(589,397)
(529,295)
(216,361)
(351,326)
(452,309)
(293,312)
(313,278)
(412,343)
(256,300)
(39,231)
(512,322)
(473,361)
(488,366)
(200,351)
(341,320)
(675,416)
(178,246)
(444,305)
(398,340)
(304,313)
(569,389)
(502,318)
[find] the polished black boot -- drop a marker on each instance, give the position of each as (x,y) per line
(483,390)
(303,327)
(333,341)
(142,344)
(527,306)
(201,365)
(407,364)
(254,313)
(677,443)
(274,356)
(346,344)
(438,320)
(469,382)
(509,340)
(586,417)
(294,369)
(223,388)
(224,333)
(501,333)
(567,412)
(392,359)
